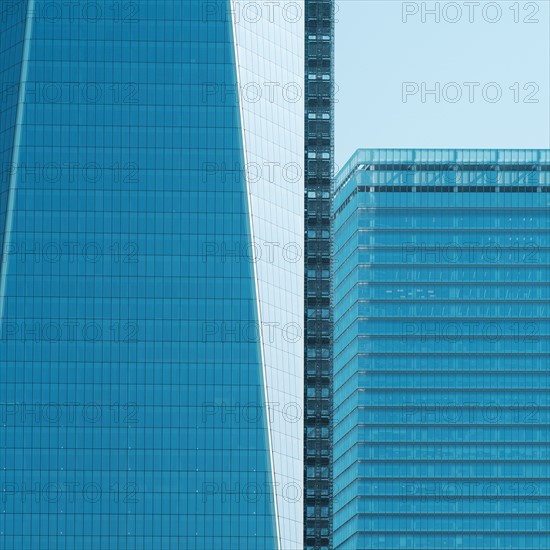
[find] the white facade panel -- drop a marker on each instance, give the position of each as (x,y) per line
(269,49)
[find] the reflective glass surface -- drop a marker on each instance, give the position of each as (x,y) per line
(133,395)
(442,348)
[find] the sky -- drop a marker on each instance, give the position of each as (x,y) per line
(472,75)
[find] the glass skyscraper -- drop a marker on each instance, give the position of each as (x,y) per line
(319,170)
(442,350)
(151,284)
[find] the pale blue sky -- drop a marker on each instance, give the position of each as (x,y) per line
(376,52)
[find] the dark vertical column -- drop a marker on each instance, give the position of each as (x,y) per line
(319,168)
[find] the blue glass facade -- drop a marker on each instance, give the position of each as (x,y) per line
(132,376)
(441,369)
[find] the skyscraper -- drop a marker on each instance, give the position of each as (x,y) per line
(442,330)
(151,286)
(319,170)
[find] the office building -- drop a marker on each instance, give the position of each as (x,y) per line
(319,170)
(441,308)
(151,285)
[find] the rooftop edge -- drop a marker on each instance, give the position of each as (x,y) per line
(439,156)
